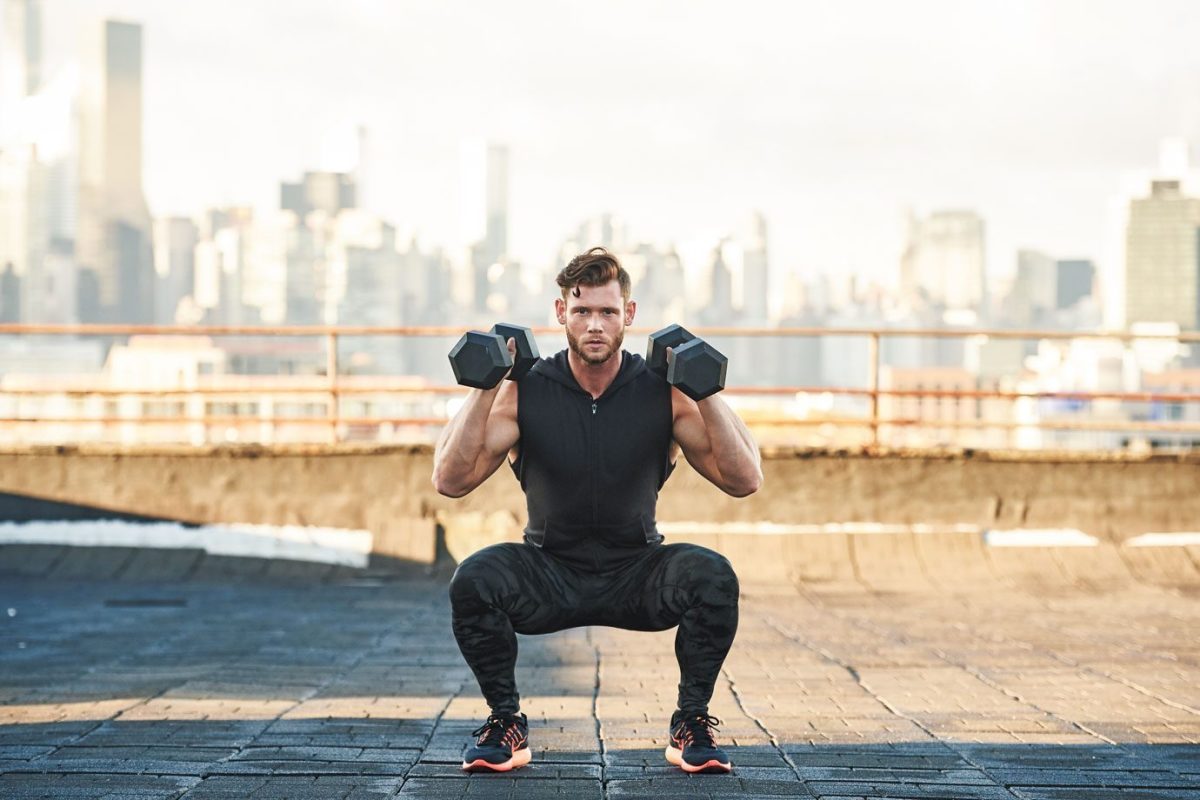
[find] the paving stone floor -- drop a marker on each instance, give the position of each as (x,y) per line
(355,689)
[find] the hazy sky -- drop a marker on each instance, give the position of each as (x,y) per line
(681,117)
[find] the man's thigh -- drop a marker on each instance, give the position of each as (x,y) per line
(653,592)
(538,593)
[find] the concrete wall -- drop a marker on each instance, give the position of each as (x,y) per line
(387,491)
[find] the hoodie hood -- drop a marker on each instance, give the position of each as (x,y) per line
(557,369)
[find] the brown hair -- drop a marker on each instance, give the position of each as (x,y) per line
(596,267)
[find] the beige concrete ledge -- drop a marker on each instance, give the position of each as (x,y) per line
(386,490)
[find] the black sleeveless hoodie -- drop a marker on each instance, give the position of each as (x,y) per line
(591,469)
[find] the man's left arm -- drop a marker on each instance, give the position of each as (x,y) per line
(717,443)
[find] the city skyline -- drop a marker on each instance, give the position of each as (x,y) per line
(828,145)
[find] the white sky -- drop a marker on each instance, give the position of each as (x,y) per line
(681,117)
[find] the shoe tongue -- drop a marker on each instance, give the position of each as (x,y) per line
(701,729)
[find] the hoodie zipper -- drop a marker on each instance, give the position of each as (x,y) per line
(594,465)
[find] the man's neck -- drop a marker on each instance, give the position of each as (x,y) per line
(594,378)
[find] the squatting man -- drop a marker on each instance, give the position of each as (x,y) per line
(592,435)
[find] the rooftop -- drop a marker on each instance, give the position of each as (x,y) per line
(278,679)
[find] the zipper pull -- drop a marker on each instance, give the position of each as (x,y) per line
(593,409)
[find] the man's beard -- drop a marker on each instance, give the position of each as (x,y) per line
(595,358)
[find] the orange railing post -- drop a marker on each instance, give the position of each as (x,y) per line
(873,384)
(331,375)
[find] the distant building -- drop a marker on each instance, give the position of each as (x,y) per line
(113,238)
(943,261)
(483,216)
(175,240)
(932,419)
(1162,257)
(1076,280)
(10,295)
(364,251)
(719,308)
(329,192)
(755,278)
(20,50)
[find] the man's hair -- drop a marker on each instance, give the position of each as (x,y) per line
(596,267)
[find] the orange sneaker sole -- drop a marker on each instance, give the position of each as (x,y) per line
(675,756)
(518,760)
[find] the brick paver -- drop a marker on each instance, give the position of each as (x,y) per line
(353,688)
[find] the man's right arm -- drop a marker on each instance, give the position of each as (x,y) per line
(475,442)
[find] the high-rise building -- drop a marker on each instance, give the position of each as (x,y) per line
(496,236)
(483,216)
(1162,260)
(719,308)
(755,292)
(113,239)
(1076,279)
(20,51)
(943,262)
(316,203)
(10,294)
(319,191)
(18,236)
(1034,292)
(175,241)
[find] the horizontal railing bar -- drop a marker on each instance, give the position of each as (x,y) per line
(451,389)
(97,329)
(1086,425)
(223,420)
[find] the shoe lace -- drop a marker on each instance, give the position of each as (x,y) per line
(698,730)
(498,729)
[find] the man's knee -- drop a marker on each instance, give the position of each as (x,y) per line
(480,578)
(708,573)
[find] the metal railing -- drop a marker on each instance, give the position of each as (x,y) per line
(326,393)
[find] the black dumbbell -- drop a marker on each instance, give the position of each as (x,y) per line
(656,349)
(693,365)
(480,359)
(527,349)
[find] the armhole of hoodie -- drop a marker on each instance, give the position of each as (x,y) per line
(518,466)
(668,467)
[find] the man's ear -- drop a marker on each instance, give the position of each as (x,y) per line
(560,310)
(630,311)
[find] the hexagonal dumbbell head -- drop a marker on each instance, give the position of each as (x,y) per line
(656,352)
(697,369)
(480,359)
(527,350)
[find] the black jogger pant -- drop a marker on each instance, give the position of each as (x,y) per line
(507,589)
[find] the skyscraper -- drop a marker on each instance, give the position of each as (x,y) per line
(943,263)
(496,235)
(755,268)
(1162,260)
(20,51)
(483,213)
(175,241)
(1076,279)
(1033,297)
(318,191)
(113,234)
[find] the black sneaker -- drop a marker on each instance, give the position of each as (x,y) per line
(503,744)
(692,748)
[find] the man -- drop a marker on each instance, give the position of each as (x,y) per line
(592,435)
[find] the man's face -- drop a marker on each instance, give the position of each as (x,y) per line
(595,320)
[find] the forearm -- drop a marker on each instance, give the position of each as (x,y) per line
(733,447)
(463,439)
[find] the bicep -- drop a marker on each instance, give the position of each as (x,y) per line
(502,431)
(691,435)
